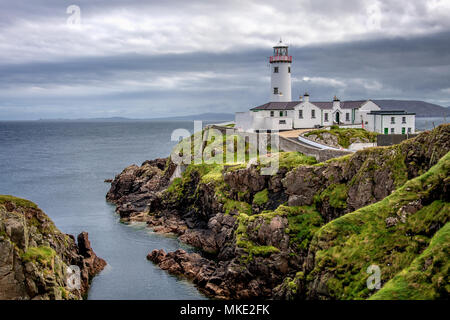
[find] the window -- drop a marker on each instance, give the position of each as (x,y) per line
(300,114)
(275,90)
(392,130)
(326,116)
(313,114)
(403,119)
(272,113)
(282,121)
(289,69)
(347,116)
(392,120)
(409,130)
(403,130)
(386,130)
(275,69)
(281,113)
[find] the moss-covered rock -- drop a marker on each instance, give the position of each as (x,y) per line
(342,137)
(390,233)
(427,277)
(34,255)
(311,230)
(261,197)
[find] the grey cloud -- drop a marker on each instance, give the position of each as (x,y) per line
(380,66)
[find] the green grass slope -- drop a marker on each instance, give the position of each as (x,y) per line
(391,233)
(427,277)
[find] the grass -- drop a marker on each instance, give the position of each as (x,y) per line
(336,195)
(236,206)
(251,249)
(302,223)
(427,276)
(289,160)
(346,246)
(17,201)
(213,173)
(42,254)
(261,197)
(345,136)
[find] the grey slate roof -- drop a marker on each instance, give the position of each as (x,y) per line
(391,112)
(352,104)
(277,106)
(321,105)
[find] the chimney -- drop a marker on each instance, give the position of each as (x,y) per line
(336,103)
(306,97)
(300,98)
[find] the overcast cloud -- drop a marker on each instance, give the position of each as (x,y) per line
(145,59)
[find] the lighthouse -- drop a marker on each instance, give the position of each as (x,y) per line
(280,78)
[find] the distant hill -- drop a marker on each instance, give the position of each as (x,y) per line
(203,116)
(220,117)
(420,108)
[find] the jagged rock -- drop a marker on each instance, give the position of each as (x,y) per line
(246,180)
(93,263)
(136,189)
(34,255)
(260,264)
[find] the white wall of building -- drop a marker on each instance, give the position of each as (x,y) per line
(306,120)
(243,121)
(327,117)
(290,119)
(262,120)
(345,115)
(402,124)
(361,114)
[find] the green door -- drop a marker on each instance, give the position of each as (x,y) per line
(386,131)
(403,130)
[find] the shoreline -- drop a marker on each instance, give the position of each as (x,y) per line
(249,251)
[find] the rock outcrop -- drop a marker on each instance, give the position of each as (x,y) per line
(260,235)
(35,255)
(135,189)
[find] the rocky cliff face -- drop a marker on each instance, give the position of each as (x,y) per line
(134,190)
(278,236)
(34,255)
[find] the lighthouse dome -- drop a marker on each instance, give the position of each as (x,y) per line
(280,44)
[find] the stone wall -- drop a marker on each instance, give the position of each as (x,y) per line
(390,139)
(287,144)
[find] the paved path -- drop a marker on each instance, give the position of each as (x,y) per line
(293,133)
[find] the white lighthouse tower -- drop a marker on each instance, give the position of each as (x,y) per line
(280,79)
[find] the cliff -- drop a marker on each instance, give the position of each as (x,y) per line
(308,232)
(34,255)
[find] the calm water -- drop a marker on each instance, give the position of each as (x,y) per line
(62,165)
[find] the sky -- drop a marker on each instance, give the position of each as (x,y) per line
(145,59)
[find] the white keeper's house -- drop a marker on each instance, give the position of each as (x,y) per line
(281,113)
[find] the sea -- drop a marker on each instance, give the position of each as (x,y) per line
(62,165)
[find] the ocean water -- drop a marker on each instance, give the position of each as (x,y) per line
(62,167)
